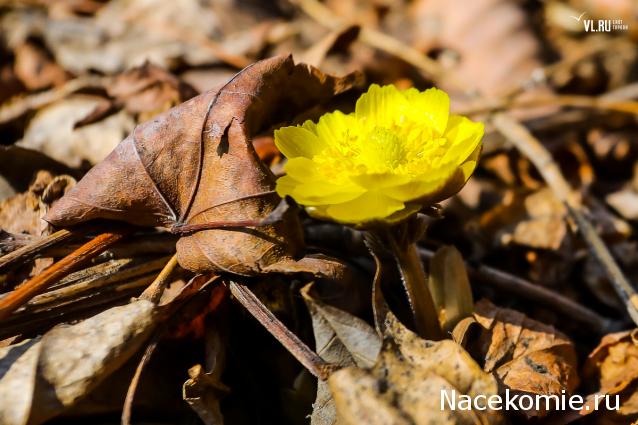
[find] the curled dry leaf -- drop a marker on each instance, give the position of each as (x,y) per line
(22,213)
(143,91)
(613,369)
(195,166)
(536,221)
(42,377)
(340,339)
(528,357)
(35,69)
(405,385)
(53,131)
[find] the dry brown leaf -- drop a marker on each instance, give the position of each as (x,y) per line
(52,131)
(205,79)
(340,339)
(333,326)
(612,367)
(125,33)
(528,357)
(544,226)
(42,377)
(147,90)
(143,92)
(195,166)
(35,69)
(22,213)
(404,387)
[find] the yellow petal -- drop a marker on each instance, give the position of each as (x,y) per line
(470,163)
(298,141)
(381,106)
(432,105)
(303,169)
(380,180)
(370,206)
(315,192)
(464,136)
(336,129)
(430,183)
(310,126)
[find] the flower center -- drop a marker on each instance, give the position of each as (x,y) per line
(408,149)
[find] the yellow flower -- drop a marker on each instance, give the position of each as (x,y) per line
(398,152)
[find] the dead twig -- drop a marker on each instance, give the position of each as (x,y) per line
(39,283)
(155,290)
(533,149)
(27,252)
(308,358)
(591,102)
(130,393)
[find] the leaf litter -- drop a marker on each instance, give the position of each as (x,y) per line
(196,176)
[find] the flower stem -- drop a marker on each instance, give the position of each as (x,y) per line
(415,283)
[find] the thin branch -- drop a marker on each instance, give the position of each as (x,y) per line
(308,358)
(32,250)
(155,290)
(57,271)
(591,102)
(130,393)
(533,149)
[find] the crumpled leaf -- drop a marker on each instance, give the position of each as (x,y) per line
(23,212)
(52,131)
(41,377)
(195,165)
(545,226)
(613,367)
(536,220)
(35,69)
(340,339)
(527,356)
(450,287)
(123,34)
(354,334)
(404,387)
(143,91)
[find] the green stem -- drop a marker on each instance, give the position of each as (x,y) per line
(415,283)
